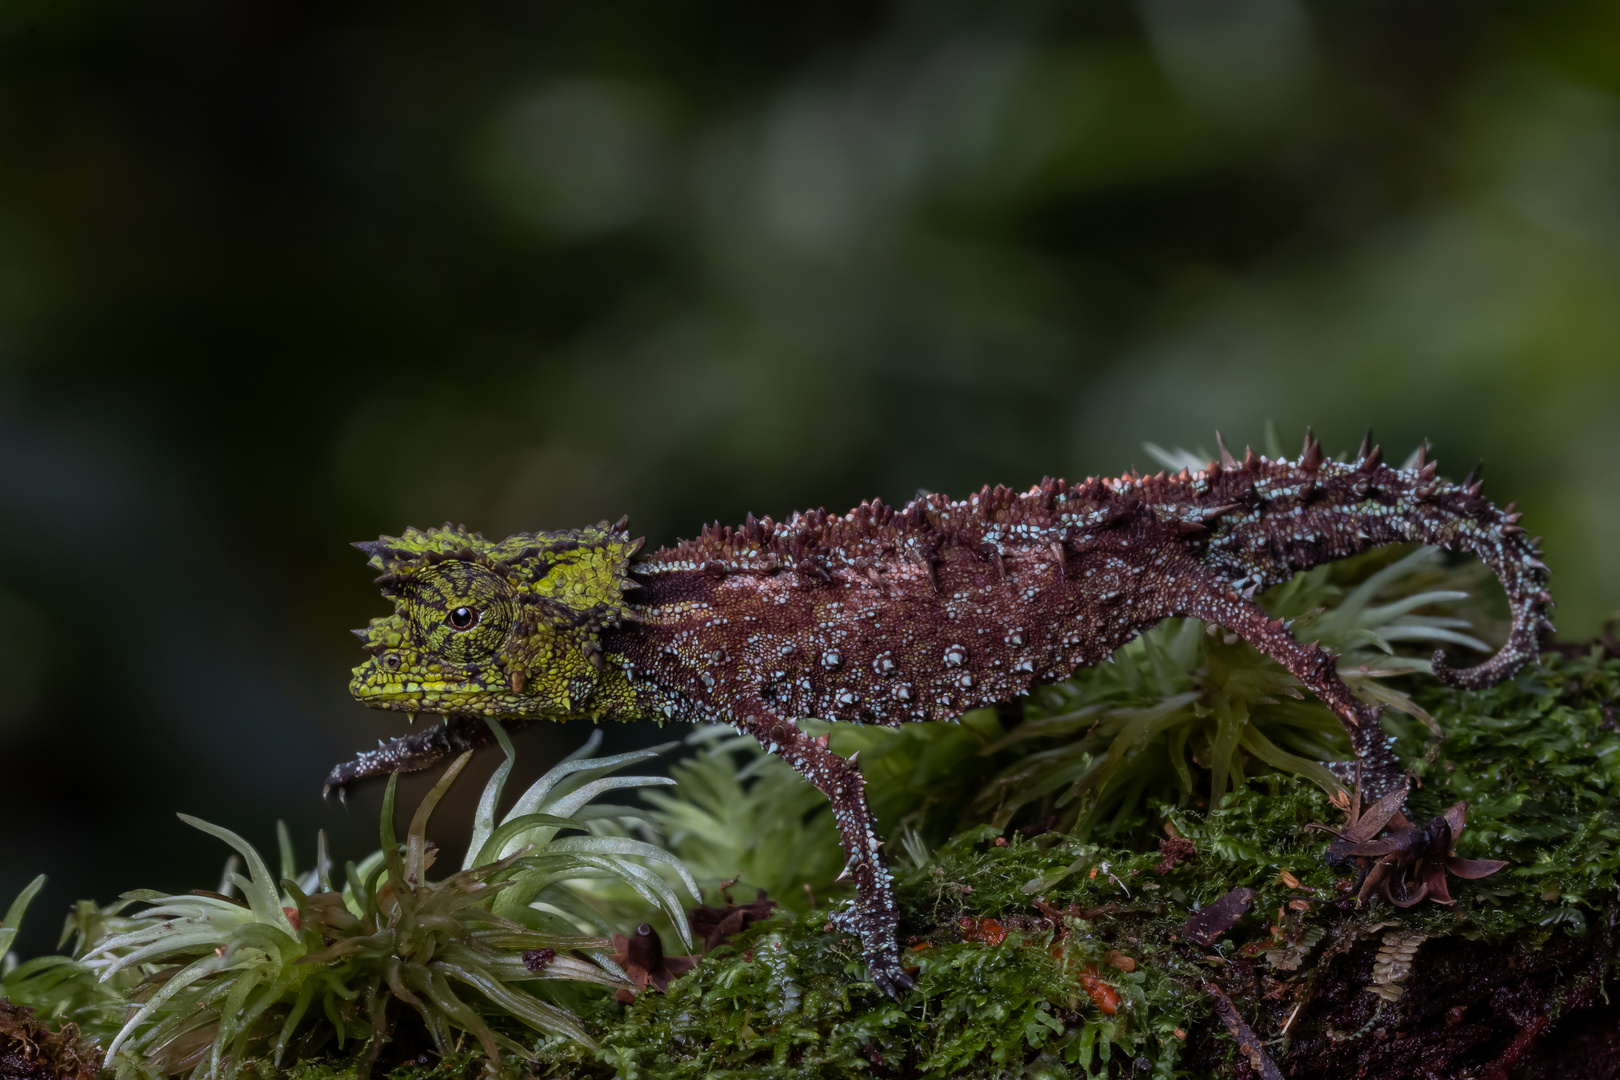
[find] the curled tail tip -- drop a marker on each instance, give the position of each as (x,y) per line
(1480,676)
(1519,650)
(1446,674)
(1515,558)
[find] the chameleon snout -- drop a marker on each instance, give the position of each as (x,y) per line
(389,682)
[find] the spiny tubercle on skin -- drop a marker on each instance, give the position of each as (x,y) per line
(887,616)
(882,616)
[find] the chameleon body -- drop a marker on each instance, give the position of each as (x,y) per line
(884,616)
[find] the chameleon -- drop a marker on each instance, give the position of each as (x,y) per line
(887,616)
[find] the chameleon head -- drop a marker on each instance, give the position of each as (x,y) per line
(496,629)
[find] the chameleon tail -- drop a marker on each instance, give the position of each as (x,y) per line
(1492,536)
(1314,510)
(1413,505)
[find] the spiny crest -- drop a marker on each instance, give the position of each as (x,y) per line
(399,556)
(576,576)
(925,524)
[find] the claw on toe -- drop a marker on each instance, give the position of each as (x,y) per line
(337,782)
(889,977)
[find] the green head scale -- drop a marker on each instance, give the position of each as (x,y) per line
(503,629)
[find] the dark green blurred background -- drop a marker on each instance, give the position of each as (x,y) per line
(277,276)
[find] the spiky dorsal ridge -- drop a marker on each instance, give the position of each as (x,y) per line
(928,522)
(589,597)
(934,520)
(1221,496)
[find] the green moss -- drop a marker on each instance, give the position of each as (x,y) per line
(1538,760)
(1021,932)
(782,1003)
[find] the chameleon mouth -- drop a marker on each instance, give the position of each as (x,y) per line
(409,695)
(386,690)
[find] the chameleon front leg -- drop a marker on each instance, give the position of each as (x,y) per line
(416,751)
(1198,591)
(874,915)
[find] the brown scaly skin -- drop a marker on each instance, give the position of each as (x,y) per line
(883,616)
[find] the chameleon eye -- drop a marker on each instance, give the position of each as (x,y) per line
(463,617)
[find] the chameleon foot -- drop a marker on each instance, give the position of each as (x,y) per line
(885,973)
(416,751)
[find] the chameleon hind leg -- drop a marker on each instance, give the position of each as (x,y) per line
(1198,591)
(874,915)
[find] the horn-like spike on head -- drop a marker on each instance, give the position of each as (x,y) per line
(415,547)
(1227,460)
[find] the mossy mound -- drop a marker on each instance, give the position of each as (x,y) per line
(1019,941)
